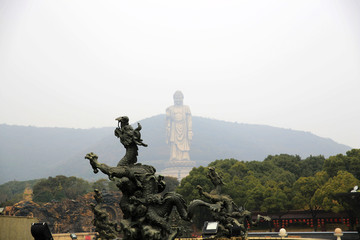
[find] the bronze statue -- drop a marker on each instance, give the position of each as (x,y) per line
(223,209)
(130,138)
(106,229)
(216,179)
(145,210)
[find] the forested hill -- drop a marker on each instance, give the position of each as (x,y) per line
(32,152)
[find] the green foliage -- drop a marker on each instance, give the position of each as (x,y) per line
(275,199)
(105,185)
(255,194)
(253,185)
(197,176)
(286,162)
(15,198)
(304,189)
(223,165)
(334,164)
(262,169)
(311,165)
(354,162)
(281,182)
(349,162)
(325,195)
(12,192)
(171,184)
(60,187)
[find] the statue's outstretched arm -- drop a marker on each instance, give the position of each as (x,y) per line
(206,194)
(110,171)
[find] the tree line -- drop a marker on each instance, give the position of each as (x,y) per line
(276,185)
(282,182)
(60,187)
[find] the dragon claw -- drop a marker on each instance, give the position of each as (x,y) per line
(92,157)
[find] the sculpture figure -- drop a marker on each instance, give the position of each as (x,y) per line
(107,230)
(179,129)
(130,138)
(223,209)
(145,211)
(216,179)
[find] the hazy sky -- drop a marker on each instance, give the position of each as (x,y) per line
(82,63)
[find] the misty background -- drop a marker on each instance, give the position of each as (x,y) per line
(39,152)
(82,63)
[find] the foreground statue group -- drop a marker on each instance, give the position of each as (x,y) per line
(146,211)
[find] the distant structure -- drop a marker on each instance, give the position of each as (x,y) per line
(28,194)
(178,135)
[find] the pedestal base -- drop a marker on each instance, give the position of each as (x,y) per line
(177,172)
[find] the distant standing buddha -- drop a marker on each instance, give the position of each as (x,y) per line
(179,135)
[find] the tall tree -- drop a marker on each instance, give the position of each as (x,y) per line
(311,165)
(275,199)
(354,162)
(341,183)
(12,192)
(197,176)
(287,162)
(60,187)
(171,184)
(304,189)
(349,162)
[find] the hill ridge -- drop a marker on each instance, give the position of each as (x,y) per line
(28,152)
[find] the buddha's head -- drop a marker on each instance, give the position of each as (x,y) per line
(178,98)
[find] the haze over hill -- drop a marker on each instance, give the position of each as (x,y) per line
(33,152)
